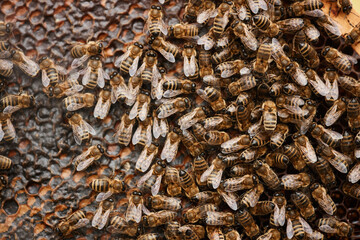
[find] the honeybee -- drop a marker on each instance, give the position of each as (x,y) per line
(235,144)
(141,106)
(135,208)
(353,37)
(172,106)
(268,176)
(172,231)
(103,105)
(129,61)
(72,222)
(214,137)
(247,38)
(331,28)
(262,208)
(241,170)
(213,97)
(226,53)
(66,88)
(271,234)
(148,71)
(81,129)
(191,68)
(134,86)
(94,73)
(172,180)
(251,197)
(160,202)
(327,136)
(331,225)
(84,160)
(345,6)
(309,54)
(349,84)
(266,25)
(304,146)
(240,183)
(107,187)
(334,112)
(200,165)
(247,222)
(339,161)
(278,160)
(12,103)
(309,8)
(278,217)
(295,181)
(269,115)
(160,127)
(192,232)
(324,200)
(50,71)
(183,30)
(158,218)
(291,25)
(352,190)
(192,145)
(262,58)
(27,65)
(82,52)
(142,134)
(340,60)
(220,218)
(207,41)
(193,215)
(228,69)
(214,173)
(149,236)
(188,184)
(146,156)
(277,138)
(302,202)
(152,179)
(124,131)
(6,28)
(191,10)
(325,172)
(102,213)
(119,225)
(283,62)
(167,50)
(3,181)
(222,18)
(7,130)
(245,83)
(188,120)
(316,84)
(207,197)
(206,70)
(296,226)
(354,174)
(171,146)
(155,23)
(78,101)
(173,87)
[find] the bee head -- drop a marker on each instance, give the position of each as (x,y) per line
(325,51)
(101,149)
(3,180)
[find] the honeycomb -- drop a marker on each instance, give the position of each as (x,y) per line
(43,185)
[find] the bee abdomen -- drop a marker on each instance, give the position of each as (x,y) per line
(100,185)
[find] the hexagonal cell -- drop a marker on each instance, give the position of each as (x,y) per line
(10,206)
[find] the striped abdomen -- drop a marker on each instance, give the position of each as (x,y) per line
(5,163)
(126,64)
(100,185)
(147,74)
(93,78)
(52,75)
(78,51)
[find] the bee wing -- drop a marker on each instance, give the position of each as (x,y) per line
(312,32)
(332,27)
(207,41)
(77,62)
(164,126)
(156,187)
(289,229)
(306,226)
(319,86)
(137,135)
(265,236)
(309,152)
(327,229)
(81,223)
(187,67)
(144,178)
(253,5)
(156,128)
(249,40)
(84,164)
(75,106)
(230,199)
(101,77)
(217,179)
(6,64)
(332,115)
(1,132)
(333,134)
(29,66)
(88,127)
(193,65)
(148,135)
(210,215)
(212,124)
(350,58)
(155,77)
(300,77)
(354,174)
(168,110)
(187,120)
(104,219)
(11,109)
(170,150)
(103,196)
(97,217)
(133,212)
(333,91)
(143,111)
(314,13)
(225,20)
(86,77)
(122,58)
(134,66)
(280,216)
(203,95)
(73,90)
(337,163)
(171,93)
(203,16)
(207,173)
(144,161)
(263,5)
(102,108)
(277,50)
(242,12)
(167,55)
(61,70)
(134,110)
(325,202)
(163,27)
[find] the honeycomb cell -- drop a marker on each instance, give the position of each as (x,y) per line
(10,206)
(32,188)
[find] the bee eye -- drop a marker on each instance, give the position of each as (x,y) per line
(100,45)
(158,8)
(153,7)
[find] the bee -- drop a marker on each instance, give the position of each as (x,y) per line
(119,225)
(277,218)
(188,184)
(340,60)
(309,54)
(235,144)
(327,136)
(129,61)
(124,131)
(240,170)
(271,234)
(311,32)
(247,38)
(352,190)
(245,83)
(349,84)
(155,23)
(193,215)
(296,226)
(234,184)
(158,218)
(214,173)
(50,71)
(107,187)
(78,101)
(149,236)
(251,197)
(171,146)
(183,30)
(325,172)
(220,218)
(316,84)
(160,127)
(331,225)
(354,173)
(330,27)
(215,137)
(102,214)
(81,129)
(6,28)
(305,148)
(345,6)
(191,68)
(167,50)
(289,67)
(269,115)
(192,145)
(247,222)
(226,53)
(160,202)
(173,106)
(134,86)
(295,181)
(5,163)
(291,25)
(191,10)
(192,232)
(142,134)
(173,87)
(3,181)
(331,80)
(251,154)
(206,70)
(172,231)
(207,42)
(208,10)
(263,55)
(82,52)
(200,165)
(94,74)
(135,208)
(302,202)
(277,138)
(66,88)
(141,107)
(12,103)
(228,69)
(188,120)
(259,138)
(7,130)
(148,71)
(172,180)
(72,222)
(353,37)
(347,143)
(309,8)
(278,160)
(103,105)
(268,175)
(262,208)
(334,112)
(152,179)
(339,161)
(85,159)
(213,97)
(222,18)
(146,156)
(27,65)
(267,26)
(207,197)
(323,199)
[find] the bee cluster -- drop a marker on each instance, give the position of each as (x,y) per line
(241,124)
